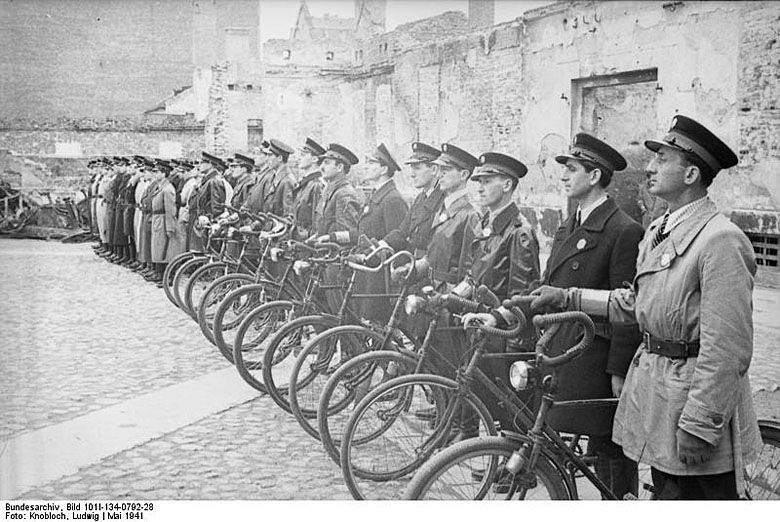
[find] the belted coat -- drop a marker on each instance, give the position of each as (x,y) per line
(696,285)
(164,229)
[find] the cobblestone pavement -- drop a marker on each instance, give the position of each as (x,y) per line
(79,334)
(250,451)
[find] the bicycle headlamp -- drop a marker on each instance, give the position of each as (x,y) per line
(300,266)
(518,375)
(413,304)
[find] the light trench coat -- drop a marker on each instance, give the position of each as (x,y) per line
(163,222)
(695,285)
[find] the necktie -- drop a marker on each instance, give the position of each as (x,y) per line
(660,233)
(485,220)
(578,219)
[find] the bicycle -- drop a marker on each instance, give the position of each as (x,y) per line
(540,465)
(386,440)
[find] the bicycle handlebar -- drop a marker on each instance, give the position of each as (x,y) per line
(552,322)
(387,262)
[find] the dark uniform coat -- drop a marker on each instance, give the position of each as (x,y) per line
(339,208)
(503,255)
(414,232)
(210,195)
(307,194)
(275,192)
(120,198)
(240,191)
(600,254)
(130,207)
(445,247)
(110,199)
(382,213)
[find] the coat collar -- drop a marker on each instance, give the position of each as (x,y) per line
(502,220)
(600,215)
(382,192)
(459,205)
(308,178)
(680,238)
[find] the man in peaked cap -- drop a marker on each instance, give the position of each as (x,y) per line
(414,232)
(273,191)
(441,264)
(308,190)
(242,168)
(686,406)
(210,195)
(500,251)
(596,247)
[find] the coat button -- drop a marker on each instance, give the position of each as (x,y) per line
(717,419)
(575,265)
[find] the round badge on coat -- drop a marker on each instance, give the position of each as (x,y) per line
(486,231)
(442,217)
(366,209)
(665,259)
(581,244)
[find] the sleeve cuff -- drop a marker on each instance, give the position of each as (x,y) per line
(702,422)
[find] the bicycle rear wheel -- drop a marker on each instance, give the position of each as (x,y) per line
(280,355)
(319,359)
(763,475)
(182,277)
(347,387)
(170,272)
(390,434)
(476,470)
(214,295)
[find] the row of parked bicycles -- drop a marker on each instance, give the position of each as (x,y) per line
(287,315)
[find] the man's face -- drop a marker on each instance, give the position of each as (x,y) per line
(423,175)
(373,171)
(491,189)
(576,179)
(451,178)
(330,168)
(204,166)
(273,160)
(666,173)
(306,159)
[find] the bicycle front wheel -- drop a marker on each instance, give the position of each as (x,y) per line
(200,280)
(183,276)
(401,424)
(476,470)
(347,387)
(213,296)
(233,310)
(319,359)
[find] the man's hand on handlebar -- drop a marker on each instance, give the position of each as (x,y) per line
(483,318)
(549,299)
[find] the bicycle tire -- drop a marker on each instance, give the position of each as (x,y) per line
(763,475)
(359,445)
(253,295)
(270,316)
(330,423)
(439,477)
(290,339)
(304,388)
(170,272)
(213,295)
(215,268)
(182,276)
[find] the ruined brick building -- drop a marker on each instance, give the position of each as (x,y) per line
(618,69)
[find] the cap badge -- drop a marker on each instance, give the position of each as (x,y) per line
(581,244)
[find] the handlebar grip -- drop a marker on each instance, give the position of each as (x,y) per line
(555,320)
(455,303)
(508,334)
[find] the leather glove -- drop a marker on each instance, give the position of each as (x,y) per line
(549,299)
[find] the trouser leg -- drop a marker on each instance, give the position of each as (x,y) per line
(722,486)
(616,470)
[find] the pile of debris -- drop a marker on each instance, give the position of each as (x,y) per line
(29,210)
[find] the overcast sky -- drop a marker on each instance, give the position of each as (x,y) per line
(278,16)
